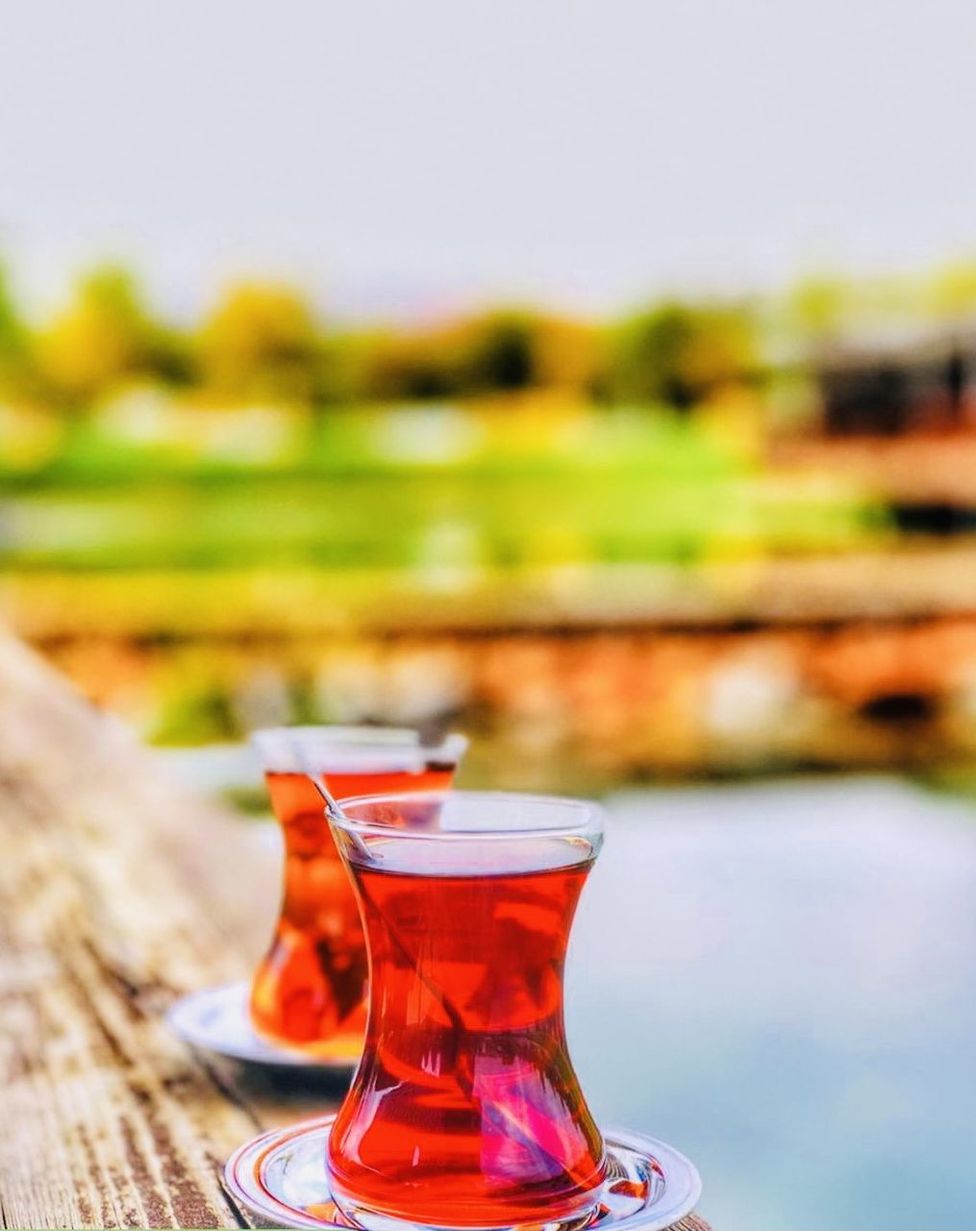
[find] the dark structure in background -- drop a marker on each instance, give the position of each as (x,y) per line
(895,389)
(925,386)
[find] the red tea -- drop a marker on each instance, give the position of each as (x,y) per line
(309,989)
(465,1110)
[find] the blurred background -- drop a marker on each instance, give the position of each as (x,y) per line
(599,380)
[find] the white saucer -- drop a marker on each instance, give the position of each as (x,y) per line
(217,1020)
(282,1177)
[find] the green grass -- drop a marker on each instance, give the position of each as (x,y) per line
(412,487)
(377,442)
(407,521)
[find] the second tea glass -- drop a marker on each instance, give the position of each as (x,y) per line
(308,991)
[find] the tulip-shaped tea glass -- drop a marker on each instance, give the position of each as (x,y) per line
(308,991)
(465,1110)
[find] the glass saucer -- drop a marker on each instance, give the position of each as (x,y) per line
(282,1177)
(217,1020)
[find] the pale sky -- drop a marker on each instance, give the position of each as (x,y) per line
(396,154)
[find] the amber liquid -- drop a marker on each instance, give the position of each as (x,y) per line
(309,990)
(465,1110)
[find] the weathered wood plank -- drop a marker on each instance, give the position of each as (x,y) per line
(110,905)
(118,893)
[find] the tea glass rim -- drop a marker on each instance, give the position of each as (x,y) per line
(590,824)
(308,748)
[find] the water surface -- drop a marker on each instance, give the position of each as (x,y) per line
(780,980)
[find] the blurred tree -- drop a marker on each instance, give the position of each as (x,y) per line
(415,365)
(951,291)
(501,351)
(678,353)
(514,348)
(14,339)
(818,309)
(171,356)
(13,331)
(103,334)
(260,342)
(495,351)
(568,354)
(344,367)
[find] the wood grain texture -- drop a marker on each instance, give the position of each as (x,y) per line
(118,893)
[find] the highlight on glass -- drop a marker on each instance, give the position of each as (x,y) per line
(465,1110)
(308,991)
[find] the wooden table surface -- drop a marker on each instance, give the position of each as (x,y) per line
(119,893)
